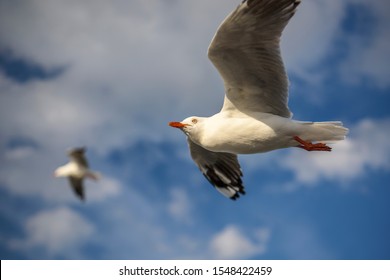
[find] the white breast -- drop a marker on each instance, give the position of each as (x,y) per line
(245,134)
(71,169)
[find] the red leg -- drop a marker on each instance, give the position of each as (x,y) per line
(308,146)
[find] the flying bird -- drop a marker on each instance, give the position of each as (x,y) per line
(255,117)
(76,170)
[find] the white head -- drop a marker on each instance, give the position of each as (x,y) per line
(190,126)
(61,172)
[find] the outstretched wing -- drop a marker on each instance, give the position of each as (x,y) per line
(77,186)
(222,170)
(78,155)
(246,52)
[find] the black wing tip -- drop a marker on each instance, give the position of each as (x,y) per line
(237,194)
(77,187)
(79,194)
(81,197)
(238,188)
(235,186)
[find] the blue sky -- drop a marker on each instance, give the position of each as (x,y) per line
(110,75)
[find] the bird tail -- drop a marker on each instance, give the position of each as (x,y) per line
(324,131)
(93,175)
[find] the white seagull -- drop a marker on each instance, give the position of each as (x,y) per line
(76,170)
(255,117)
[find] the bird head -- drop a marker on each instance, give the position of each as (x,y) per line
(188,125)
(55,173)
(59,172)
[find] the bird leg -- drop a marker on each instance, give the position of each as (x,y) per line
(308,146)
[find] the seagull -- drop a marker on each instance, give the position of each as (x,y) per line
(255,116)
(76,170)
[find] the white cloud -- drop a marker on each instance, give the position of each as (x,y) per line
(127,64)
(103,189)
(366,148)
(232,243)
(308,37)
(314,32)
(58,232)
(19,153)
(180,205)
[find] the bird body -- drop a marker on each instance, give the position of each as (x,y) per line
(243,134)
(227,134)
(255,117)
(76,170)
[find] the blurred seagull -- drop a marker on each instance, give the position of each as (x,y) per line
(76,170)
(255,116)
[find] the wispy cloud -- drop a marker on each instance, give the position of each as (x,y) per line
(365,149)
(308,43)
(180,205)
(104,189)
(111,54)
(232,243)
(59,232)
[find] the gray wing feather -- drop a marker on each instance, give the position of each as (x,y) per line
(78,155)
(246,52)
(222,170)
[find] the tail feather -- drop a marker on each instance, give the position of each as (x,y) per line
(325,131)
(93,175)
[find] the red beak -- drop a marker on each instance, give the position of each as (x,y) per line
(177,124)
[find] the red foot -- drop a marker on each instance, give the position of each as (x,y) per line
(308,146)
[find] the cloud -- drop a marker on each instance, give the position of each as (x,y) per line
(126,65)
(308,37)
(112,51)
(232,243)
(103,189)
(180,205)
(317,32)
(106,94)
(19,153)
(58,232)
(366,148)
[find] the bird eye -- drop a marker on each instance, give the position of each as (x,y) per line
(194,121)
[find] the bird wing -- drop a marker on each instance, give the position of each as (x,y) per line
(78,155)
(77,186)
(246,52)
(222,170)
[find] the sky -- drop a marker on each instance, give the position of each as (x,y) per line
(110,75)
